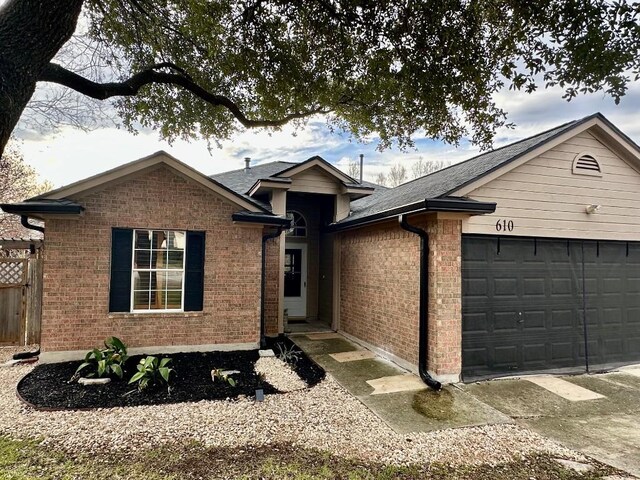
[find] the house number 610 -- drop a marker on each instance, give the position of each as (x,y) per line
(504,225)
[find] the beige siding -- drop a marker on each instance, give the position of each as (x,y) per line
(544,198)
(315,180)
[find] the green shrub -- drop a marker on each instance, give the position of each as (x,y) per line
(288,354)
(152,371)
(104,362)
(216,374)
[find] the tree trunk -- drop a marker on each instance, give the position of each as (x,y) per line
(31,33)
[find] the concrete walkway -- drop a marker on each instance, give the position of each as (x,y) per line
(398,397)
(594,414)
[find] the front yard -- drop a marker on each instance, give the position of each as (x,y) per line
(319,432)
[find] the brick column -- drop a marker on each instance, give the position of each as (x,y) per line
(445,299)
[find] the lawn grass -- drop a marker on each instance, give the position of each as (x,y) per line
(28,460)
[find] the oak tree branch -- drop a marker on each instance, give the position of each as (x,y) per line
(55,73)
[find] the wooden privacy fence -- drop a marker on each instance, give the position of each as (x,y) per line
(20,300)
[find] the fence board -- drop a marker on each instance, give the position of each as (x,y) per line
(10,315)
(34,300)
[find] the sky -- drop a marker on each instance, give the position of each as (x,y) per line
(73,154)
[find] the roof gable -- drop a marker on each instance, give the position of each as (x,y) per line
(318,163)
(463,177)
(145,164)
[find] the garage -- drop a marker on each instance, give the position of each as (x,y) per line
(525,301)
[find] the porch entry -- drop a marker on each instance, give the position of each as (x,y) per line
(295,279)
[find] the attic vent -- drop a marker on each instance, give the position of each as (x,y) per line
(586,164)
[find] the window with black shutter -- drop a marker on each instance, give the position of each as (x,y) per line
(156,270)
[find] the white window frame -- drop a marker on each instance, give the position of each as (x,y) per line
(134,270)
(306,225)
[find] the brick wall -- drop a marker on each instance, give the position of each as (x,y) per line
(379,281)
(272,277)
(77,268)
(379,300)
(445,298)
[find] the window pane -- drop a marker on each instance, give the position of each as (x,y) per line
(156,298)
(159,239)
(141,300)
(142,259)
(169,280)
(176,260)
(174,299)
(143,239)
(158,258)
(176,240)
(141,280)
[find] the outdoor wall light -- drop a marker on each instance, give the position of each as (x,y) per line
(593,209)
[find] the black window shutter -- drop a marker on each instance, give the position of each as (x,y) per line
(194,272)
(120,289)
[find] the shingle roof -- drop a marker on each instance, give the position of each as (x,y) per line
(241,181)
(444,182)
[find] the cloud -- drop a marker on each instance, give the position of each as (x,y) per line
(72,154)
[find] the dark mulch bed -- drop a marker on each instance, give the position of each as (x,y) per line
(47,386)
(307,369)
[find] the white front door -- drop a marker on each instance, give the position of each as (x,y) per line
(295,279)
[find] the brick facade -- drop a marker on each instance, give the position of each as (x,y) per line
(445,298)
(77,268)
(379,288)
(379,300)
(272,292)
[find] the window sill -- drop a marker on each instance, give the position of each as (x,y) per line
(155,314)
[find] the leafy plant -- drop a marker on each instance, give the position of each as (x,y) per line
(217,373)
(104,362)
(288,354)
(152,371)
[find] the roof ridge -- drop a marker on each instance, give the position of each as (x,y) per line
(255,166)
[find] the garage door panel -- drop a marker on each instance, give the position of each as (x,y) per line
(563,320)
(633,315)
(563,286)
(535,354)
(613,303)
(475,323)
(534,287)
(534,320)
(525,309)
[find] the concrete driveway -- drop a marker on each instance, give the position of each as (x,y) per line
(598,415)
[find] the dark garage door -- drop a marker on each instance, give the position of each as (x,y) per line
(524,301)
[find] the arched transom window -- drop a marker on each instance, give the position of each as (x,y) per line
(298,224)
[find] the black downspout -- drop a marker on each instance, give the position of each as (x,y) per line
(423,304)
(265,238)
(24,220)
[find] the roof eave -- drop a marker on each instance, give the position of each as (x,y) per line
(449,205)
(38,209)
(268,220)
(266,184)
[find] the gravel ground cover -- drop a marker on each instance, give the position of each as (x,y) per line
(324,417)
(304,366)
